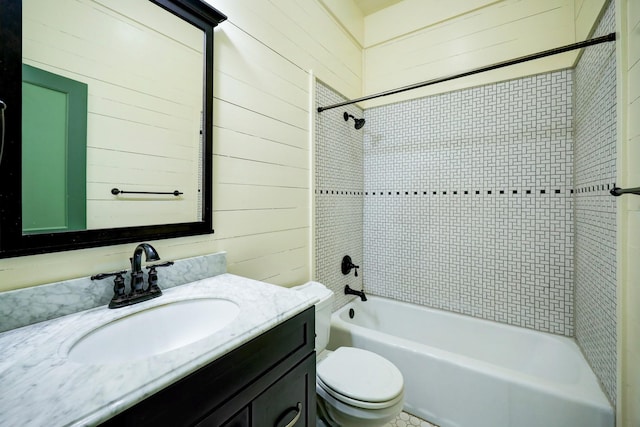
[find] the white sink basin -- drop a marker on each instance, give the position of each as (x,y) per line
(154,331)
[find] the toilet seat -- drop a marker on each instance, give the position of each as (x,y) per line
(356,403)
(360,378)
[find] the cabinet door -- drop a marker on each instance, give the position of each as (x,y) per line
(241,419)
(289,402)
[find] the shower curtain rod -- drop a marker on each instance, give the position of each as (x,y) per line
(608,38)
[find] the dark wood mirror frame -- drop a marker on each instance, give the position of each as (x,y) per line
(13,242)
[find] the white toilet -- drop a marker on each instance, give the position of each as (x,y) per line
(354,387)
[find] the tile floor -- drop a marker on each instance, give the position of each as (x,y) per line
(408,420)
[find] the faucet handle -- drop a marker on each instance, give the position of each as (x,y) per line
(105,275)
(164,264)
(347,265)
(118,281)
(153,274)
(118,284)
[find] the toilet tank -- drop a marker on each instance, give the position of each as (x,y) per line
(323,311)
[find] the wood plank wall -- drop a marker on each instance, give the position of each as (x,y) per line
(262,146)
(628,22)
(450,41)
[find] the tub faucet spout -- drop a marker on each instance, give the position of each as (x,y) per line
(349,291)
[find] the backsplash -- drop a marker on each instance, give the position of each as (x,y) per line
(338,195)
(39,303)
(468,202)
(595,159)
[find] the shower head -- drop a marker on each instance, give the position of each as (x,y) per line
(359,122)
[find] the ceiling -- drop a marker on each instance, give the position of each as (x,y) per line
(371,6)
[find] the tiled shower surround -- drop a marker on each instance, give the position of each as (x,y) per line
(339,188)
(468,202)
(595,160)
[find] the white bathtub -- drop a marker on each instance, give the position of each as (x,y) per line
(465,372)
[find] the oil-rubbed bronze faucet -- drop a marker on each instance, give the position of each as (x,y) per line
(137,291)
(137,279)
(349,291)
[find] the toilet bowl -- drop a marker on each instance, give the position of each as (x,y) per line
(354,387)
(357,387)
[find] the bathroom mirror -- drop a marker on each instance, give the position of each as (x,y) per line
(107,125)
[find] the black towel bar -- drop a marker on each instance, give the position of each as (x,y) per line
(115,192)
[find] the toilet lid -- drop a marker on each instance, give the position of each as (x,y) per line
(361,375)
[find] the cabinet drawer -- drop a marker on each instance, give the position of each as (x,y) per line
(292,397)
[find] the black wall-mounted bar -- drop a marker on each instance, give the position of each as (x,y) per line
(115,192)
(620,191)
(608,38)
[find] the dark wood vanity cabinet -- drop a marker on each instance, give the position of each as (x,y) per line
(291,398)
(269,381)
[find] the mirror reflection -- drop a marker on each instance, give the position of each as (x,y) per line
(112,98)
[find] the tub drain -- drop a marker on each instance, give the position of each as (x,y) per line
(351,313)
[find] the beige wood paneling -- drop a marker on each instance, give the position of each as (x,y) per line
(261,190)
(628,408)
(327,49)
(409,16)
(349,15)
(500,31)
(586,13)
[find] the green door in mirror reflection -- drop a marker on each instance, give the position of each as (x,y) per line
(54,138)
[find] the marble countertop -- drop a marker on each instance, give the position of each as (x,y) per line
(40,386)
